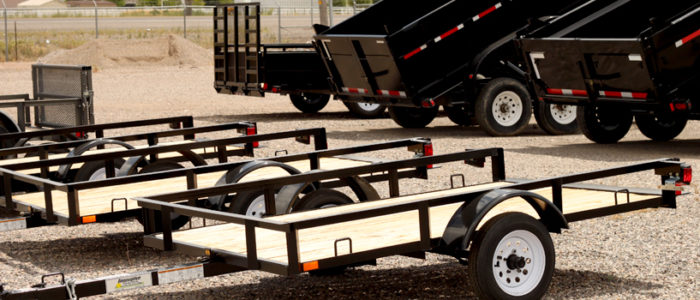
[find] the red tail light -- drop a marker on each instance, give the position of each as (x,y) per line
(428,151)
(264,86)
(80,134)
(252,131)
(687,174)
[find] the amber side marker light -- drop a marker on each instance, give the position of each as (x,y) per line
(309,266)
(89,219)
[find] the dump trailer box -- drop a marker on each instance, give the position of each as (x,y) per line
(425,49)
(647,73)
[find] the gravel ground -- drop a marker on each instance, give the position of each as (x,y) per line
(639,255)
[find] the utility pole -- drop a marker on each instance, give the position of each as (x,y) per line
(323,12)
(7,46)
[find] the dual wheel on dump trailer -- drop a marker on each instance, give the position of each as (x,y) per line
(313,103)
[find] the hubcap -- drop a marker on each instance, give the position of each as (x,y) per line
(507,108)
(563,114)
(519,262)
(256,207)
(367,106)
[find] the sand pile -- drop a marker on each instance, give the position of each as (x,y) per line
(105,54)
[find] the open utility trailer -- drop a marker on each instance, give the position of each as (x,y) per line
(54,199)
(92,170)
(628,59)
(500,227)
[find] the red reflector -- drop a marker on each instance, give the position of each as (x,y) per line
(681,106)
(428,103)
(264,86)
(687,175)
(275,90)
(428,151)
(80,134)
(252,131)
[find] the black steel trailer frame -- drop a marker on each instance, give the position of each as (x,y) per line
(39,216)
(454,241)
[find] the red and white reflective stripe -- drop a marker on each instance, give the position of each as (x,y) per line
(567,92)
(629,95)
(449,32)
(355,90)
(486,12)
(391,93)
(414,52)
(687,39)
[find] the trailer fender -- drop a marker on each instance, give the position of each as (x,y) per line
(131,165)
(236,174)
(288,195)
(78,151)
(8,124)
(464,222)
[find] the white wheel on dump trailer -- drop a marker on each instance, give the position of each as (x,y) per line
(511,257)
(556,119)
(366,110)
(503,107)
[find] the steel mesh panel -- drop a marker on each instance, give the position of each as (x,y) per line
(56,83)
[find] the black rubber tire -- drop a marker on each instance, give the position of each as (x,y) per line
(544,118)
(412,117)
(239,203)
(661,128)
(485,115)
(458,114)
(308,102)
(359,111)
(322,197)
(483,249)
(316,200)
(177,221)
(603,124)
(90,167)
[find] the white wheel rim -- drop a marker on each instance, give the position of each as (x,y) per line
(367,106)
(507,108)
(100,173)
(256,207)
(563,114)
(515,280)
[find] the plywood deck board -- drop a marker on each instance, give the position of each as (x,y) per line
(376,232)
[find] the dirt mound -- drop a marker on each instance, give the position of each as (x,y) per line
(105,54)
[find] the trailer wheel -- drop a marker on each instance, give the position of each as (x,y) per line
(322,198)
(503,107)
(95,170)
(412,117)
(366,110)
(556,119)
(661,128)
(176,220)
(308,102)
(603,124)
(459,115)
(511,257)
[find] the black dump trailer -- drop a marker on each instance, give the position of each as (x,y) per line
(630,59)
(416,55)
(245,66)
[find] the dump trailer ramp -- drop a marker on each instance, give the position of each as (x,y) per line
(59,202)
(423,52)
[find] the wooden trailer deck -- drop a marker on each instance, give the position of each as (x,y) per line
(99,200)
(376,232)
